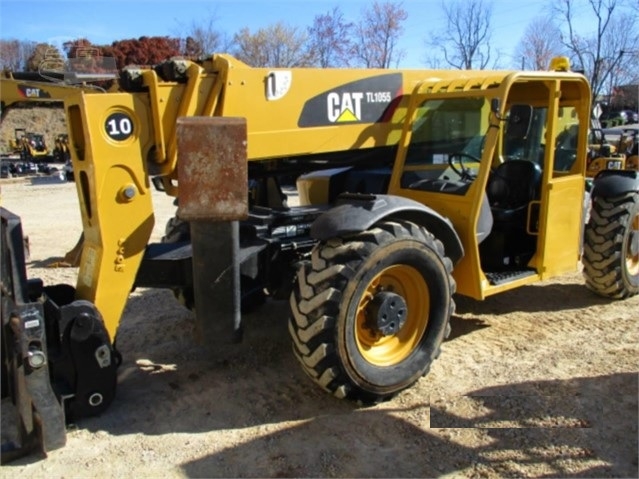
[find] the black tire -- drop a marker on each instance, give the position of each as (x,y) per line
(611,246)
(341,335)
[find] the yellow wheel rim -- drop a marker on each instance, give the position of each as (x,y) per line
(632,260)
(389,350)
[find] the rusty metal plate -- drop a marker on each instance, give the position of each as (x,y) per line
(212,168)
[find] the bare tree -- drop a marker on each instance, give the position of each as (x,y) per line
(377,35)
(625,80)
(329,39)
(601,53)
(10,55)
(15,53)
(623,35)
(465,41)
(202,38)
(540,43)
(278,45)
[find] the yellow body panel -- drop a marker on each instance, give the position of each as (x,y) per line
(115,199)
(560,226)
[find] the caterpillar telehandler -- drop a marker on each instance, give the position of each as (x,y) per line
(413,186)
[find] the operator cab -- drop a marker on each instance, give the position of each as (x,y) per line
(501,163)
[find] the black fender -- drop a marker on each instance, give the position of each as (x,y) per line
(610,183)
(354,213)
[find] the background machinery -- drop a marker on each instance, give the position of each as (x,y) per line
(621,154)
(15,144)
(61,149)
(413,186)
(32,147)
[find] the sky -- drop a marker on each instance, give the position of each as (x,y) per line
(102,22)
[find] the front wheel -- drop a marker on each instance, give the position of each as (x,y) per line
(611,246)
(369,312)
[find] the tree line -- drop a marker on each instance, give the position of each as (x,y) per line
(331,41)
(605,48)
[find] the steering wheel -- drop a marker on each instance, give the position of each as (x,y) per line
(462,170)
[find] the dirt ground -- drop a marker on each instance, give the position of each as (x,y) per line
(538,382)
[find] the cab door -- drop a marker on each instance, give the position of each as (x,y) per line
(561,210)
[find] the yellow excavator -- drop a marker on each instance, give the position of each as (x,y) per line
(414,186)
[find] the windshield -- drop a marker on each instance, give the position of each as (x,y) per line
(446,144)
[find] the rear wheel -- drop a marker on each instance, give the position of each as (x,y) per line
(611,246)
(369,312)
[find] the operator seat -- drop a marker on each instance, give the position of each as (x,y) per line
(512,185)
(511,188)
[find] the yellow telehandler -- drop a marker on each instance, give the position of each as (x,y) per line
(414,186)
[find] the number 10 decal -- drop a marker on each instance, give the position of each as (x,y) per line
(118,126)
